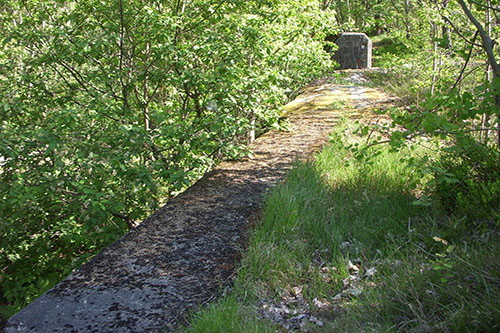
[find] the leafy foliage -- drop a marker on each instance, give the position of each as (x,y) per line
(110,107)
(453,104)
(468,184)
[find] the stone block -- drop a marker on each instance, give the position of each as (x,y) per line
(354,51)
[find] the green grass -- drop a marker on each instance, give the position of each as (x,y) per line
(409,72)
(347,237)
(229,316)
(386,49)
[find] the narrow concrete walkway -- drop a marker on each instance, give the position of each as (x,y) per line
(184,254)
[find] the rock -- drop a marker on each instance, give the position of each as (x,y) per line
(354,51)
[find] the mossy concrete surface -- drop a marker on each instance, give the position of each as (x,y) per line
(182,256)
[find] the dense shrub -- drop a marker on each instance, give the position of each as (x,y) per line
(467,182)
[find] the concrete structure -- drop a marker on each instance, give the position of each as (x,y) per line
(354,51)
(184,255)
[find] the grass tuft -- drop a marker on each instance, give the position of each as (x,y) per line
(228,315)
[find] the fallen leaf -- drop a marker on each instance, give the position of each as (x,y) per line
(352,267)
(370,272)
(355,291)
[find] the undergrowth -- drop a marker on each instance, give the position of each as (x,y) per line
(345,245)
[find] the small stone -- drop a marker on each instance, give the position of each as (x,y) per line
(299,317)
(344,245)
(320,304)
(316,321)
(327,269)
(430,292)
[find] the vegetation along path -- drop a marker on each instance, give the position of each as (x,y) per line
(181,257)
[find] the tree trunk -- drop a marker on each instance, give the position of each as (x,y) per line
(434,56)
(485,118)
(407,19)
(145,93)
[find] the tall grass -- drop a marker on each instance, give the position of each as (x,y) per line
(347,234)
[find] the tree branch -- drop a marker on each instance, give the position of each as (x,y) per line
(487,42)
(466,61)
(458,32)
(485,6)
(126,218)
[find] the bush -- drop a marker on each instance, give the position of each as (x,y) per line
(467,181)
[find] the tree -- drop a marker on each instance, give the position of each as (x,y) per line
(108,108)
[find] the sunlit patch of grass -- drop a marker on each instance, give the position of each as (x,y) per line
(228,316)
(444,292)
(343,247)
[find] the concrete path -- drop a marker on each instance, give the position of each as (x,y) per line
(184,254)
